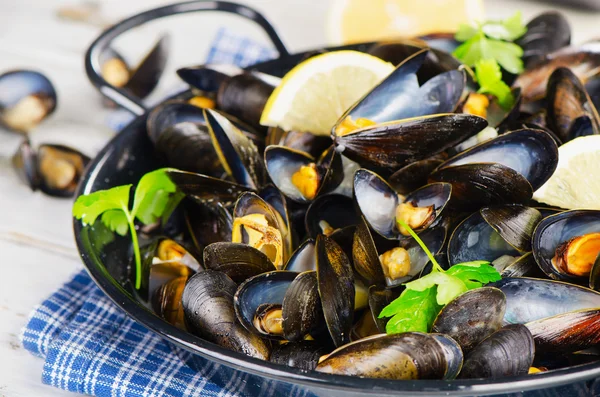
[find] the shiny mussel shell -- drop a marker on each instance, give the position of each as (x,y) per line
(147,74)
(530,299)
(405,356)
(567,332)
(166,302)
(206,189)
(507,352)
(206,223)
(566,245)
(263,292)
(329,213)
(304,354)
(24,162)
(414,175)
(303,259)
(472,316)
(26,98)
(208,306)
(545,34)
(302,311)
(238,261)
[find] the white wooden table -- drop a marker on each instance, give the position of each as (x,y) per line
(36,243)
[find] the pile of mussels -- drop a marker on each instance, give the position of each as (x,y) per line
(291,247)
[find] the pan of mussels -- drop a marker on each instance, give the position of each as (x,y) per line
(403,243)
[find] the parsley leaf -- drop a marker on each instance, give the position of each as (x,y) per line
(508,55)
(448,286)
(411,311)
(152,196)
(489,78)
(90,206)
(116,221)
(510,29)
(474,274)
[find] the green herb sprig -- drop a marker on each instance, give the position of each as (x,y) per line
(155,198)
(419,304)
(489,46)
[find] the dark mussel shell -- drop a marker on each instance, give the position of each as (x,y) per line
(434,238)
(329,213)
(302,311)
(283,163)
(303,258)
(263,289)
(305,142)
(237,153)
(379,202)
(530,299)
(166,302)
(209,77)
(206,189)
(568,101)
(207,224)
(453,354)
(504,119)
(272,196)
(520,266)
(545,34)
(557,230)
(208,307)
(493,232)
(531,153)
(114,68)
(507,352)
(170,113)
(413,175)
(399,96)
(406,356)
(484,184)
(26,98)
(397,143)
(54,169)
(238,261)
(567,332)
(336,288)
(365,255)
(147,74)
(472,316)
(303,354)
(583,60)
(378,299)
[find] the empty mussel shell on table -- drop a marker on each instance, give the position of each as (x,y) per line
(507,352)
(566,245)
(299,176)
(209,313)
(53,169)
(381,206)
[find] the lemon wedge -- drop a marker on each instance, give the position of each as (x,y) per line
(354,21)
(576,181)
(313,95)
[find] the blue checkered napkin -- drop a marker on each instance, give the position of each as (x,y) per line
(92,347)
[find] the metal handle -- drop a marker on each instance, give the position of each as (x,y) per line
(126,99)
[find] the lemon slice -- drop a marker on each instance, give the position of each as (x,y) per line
(312,96)
(576,181)
(354,21)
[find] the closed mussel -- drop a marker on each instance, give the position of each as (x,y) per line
(304,354)
(208,307)
(238,261)
(546,33)
(166,302)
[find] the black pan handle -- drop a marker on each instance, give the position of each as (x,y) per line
(126,99)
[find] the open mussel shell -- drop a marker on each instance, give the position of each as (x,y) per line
(583,60)
(209,77)
(114,68)
(303,258)
(399,96)
(566,245)
(571,112)
(24,162)
(170,113)
(365,255)
(380,204)
(507,352)
(530,299)
(329,213)
(238,261)
(287,168)
(567,332)
(303,354)
(26,98)
(147,74)
(302,312)
(305,142)
(405,356)
(273,196)
(207,224)
(395,144)
(238,155)
(206,189)
(483,184)
(434,238)
(166,302)
(414,175)
(531,153)
(493,232)
(504,119)
(472,316)
(59,169)
(209,313)
(260,299)
(378,299)
(545,34)
(335,277)
(453,354)
(519,266)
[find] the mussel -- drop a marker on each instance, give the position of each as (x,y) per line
(166,302)
(208,307)
(206,189)
(303,354)
(546,33)
(238,261)
(54,169)
(328,214)
(26,98)
(567,332)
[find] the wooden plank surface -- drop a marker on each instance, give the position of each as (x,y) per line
(36,242)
